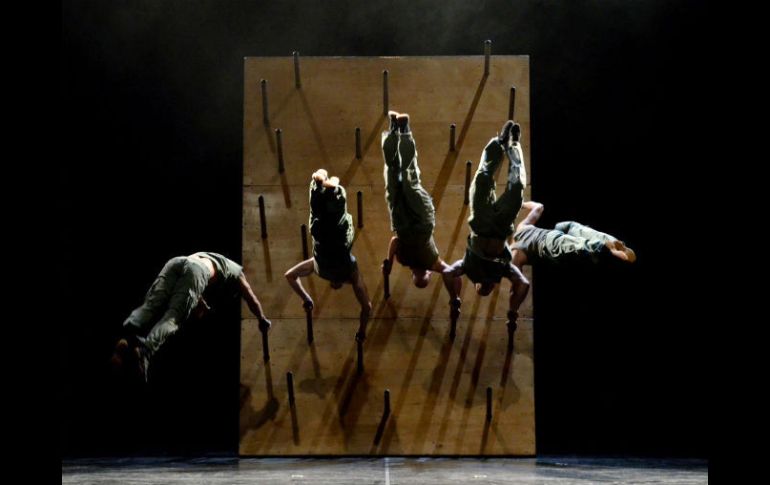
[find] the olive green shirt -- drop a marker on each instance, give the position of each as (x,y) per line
(331,227)
(417,253)
(226,284)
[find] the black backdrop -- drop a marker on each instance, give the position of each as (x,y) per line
(152,128)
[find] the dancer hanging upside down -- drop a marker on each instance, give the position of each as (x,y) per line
(412,214)
(331,227)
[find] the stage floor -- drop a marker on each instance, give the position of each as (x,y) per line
(392,470)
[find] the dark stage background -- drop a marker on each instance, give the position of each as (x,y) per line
(152,137)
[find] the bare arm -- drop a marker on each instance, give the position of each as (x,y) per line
(452,282)
(305,268)
(392,248)
(252,301)
(362,295)
(451,275)
(456,269)
(535,211)
(519,290)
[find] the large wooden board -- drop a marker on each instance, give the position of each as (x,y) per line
(438,386)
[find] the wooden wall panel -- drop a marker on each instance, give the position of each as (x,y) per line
(438,389)
(437,386)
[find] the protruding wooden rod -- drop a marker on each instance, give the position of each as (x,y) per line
(358,143)
(265,344)
(290,385)
(265,117)
(279,143)
(262,220)
(467,181)
(297,81)
(309,321)
(511,330)
(303,231)
(385,92)
(489,404)
(386,408)
(386,277)
(360,199)
(360,366)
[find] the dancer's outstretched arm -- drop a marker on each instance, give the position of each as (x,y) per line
(305,268)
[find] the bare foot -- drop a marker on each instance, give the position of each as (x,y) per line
(320,175)
(129,359)
(402,120)
(393,115)
(516,133)
(620,251)
(120,353)
(332,182)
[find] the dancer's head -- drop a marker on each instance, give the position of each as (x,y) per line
(485,288)
(420,277)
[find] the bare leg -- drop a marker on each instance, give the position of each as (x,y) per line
(452,283)
(519,290)
(304,268)
(362,295)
